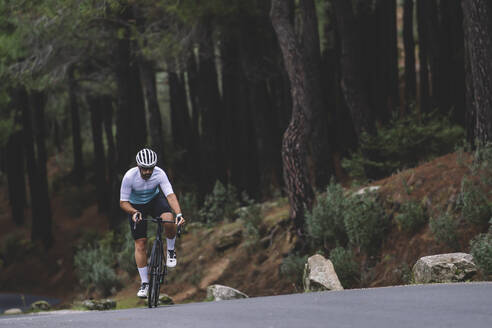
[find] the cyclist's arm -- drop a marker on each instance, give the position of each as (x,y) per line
(173,202)
(127,207)
(125,192)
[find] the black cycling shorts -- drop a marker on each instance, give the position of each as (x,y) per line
(154,208)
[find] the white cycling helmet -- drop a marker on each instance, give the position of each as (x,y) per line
(146,158)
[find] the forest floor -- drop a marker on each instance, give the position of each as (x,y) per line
(223,253)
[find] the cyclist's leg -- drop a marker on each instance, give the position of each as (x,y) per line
(140,236)
(161,208)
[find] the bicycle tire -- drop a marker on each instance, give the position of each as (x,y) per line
(154,283)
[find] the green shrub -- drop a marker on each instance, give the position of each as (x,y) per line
(474,204)
(95,261)
(482,162)
(325,222)
(76,200)
(345,266)
(365,221)
(189,205)
(444,228)
(220,204)
(94,267)
(16,248)
(126,251)
(292,268)
(403,142)
(481,249)
(251,216)
(412,217)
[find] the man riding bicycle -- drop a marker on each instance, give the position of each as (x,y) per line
(146,190)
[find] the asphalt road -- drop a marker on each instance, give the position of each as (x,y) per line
(440,305)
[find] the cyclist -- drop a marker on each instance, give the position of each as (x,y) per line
(145,190)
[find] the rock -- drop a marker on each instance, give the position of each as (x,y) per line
(164,299)
(99,305)
(367,189)
(13,311)
(40,306)
(231,239)
(451,267)
(221,293)
(319,274)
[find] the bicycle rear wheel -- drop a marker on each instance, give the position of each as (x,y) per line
(155,275)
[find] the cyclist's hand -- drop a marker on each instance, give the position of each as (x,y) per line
(180,220)
(137,216)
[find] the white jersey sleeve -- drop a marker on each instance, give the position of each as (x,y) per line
(126,186)
(164,183)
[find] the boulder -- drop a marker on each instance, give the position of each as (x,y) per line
(99,305)
(451,267)
(40,306)
(164,299)
(319,274)
(364,190)
(13,311)
(221,293)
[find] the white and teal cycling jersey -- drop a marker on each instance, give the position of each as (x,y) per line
(136,190)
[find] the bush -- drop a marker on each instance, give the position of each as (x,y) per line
(96,259)
(474,204)
(325,223)
(403,142)
(220,204)
(481,249)
(16,248)
(292,268)
(251,216)
(365,221)
(345,266)
(94,266)
(444,229)
(189,205)
(412,217)
(126,251)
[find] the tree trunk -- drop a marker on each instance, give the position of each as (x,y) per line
(28,142)
(453,67)
(409,45)
(78,161)
(96,110)
(354,93)
(211,112)
(425,103)
(138,117)
(155,123)
(477,27)
(15,177)
(113,180)
(294,143)
(319,141)
(193,86)
(42,220)
(180,119)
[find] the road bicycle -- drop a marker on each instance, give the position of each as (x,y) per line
(156,267)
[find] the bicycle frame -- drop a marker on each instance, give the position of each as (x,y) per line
(157,268)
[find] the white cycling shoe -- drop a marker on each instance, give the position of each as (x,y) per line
(144,290)
(171,259)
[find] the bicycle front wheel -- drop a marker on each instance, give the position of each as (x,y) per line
(155,274)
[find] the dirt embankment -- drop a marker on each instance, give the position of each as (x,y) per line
(225,254)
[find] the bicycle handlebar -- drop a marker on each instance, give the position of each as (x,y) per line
(159,220)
